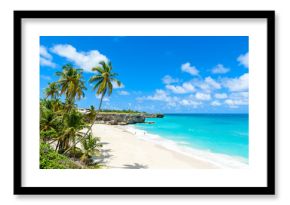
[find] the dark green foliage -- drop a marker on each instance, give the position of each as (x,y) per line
(89,145)
(49,159)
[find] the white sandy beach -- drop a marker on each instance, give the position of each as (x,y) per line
(125,150)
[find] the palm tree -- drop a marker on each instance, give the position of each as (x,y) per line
(91,114)
(52,90)
(103,80)
(89,145)
(73,123)
(71,82)
(49,121)
(103,84)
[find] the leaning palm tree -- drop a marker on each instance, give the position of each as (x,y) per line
(103,85)
(52,90)
(103,80)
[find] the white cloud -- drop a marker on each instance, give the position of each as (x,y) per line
(43,52)
(85,60)
(116,86)
(160,95)
(202,96)
(46,62)
(206,85)
(105,99)
(235,103)
(237,98)
(45,58)
(220,95)
(244,60)
(172,101)
(216,103)
(189,102)
(212,83)
(176,89)
(237,84)
(220,69)
(189,69)
(168,80)
(188,87)
(184,88)
(123,92)
(235,95)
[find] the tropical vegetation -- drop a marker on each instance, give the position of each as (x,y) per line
(66,139)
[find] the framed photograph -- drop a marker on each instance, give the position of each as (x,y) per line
(144,102)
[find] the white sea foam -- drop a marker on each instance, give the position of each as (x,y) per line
(220,160)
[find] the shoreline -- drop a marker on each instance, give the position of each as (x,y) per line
(125,148)
(217,159)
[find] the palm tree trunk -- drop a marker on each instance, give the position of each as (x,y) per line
(60,143)
(100,105)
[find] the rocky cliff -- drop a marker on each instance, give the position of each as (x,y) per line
(119,119)
(153,115)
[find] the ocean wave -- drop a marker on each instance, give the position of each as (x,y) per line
(220,160)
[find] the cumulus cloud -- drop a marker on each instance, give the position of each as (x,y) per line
(45,58)
(237,98)
(123,92)
(160,95)
(116,86)
(212,83)
(220,95)
(184,88)
(220,69)
(189,102)
(168,80)
(207,85)
(189,69)
(172,101)
(105,99)
(244,60)
(216,103)
(234,103)
(202,96)
(43,52)
(85,60)
(237,84)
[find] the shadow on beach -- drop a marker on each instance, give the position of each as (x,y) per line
(135,166)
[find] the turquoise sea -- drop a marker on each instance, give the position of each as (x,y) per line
(226,134)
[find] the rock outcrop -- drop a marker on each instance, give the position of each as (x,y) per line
(153,115)
(119,119)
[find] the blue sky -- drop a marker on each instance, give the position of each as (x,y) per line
(178,74)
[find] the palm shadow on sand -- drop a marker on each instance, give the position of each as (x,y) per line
(135,166)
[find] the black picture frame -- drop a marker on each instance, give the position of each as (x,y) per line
(268,190)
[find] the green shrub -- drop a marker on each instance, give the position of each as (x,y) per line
(49,159)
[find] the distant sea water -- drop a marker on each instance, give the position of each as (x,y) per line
(218,137)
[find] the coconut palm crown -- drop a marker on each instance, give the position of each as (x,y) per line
(103,80)
(52,90)
(71,82)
